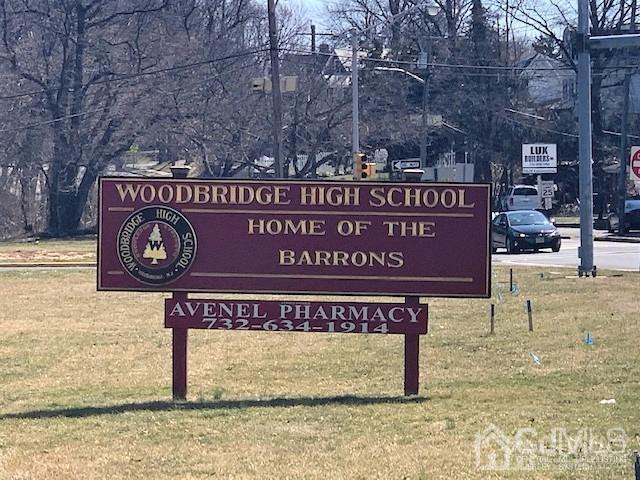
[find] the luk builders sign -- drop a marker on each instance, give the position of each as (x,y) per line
(182,235)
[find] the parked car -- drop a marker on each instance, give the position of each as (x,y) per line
(520,197)
(523,230)
(631,217)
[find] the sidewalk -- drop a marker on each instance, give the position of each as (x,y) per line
(571,229)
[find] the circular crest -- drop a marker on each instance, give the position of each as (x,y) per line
(156,245)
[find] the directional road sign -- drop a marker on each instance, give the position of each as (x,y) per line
(404,164)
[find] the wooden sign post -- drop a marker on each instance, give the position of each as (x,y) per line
(411,357)
(182,313)
(179,337)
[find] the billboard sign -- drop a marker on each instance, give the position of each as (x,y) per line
(539,158)
(187,235)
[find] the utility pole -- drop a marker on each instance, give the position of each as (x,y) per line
(585,43)
(276,95)
(585,252)
(423,64)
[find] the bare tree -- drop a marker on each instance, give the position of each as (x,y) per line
(82,61)
(555,22)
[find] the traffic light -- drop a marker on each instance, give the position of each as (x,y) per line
(368,170)
(359,160)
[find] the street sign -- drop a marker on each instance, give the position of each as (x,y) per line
(539,158)
(634,171)
(398,165)
(546,188)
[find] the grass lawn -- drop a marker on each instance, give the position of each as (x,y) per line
(85,386)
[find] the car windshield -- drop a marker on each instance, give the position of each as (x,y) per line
(525,191)
(528,218)
(630,205)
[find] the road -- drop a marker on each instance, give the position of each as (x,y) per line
(606,255)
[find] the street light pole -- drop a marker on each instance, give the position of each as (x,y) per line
(423,64)
(355,138)
(276,96)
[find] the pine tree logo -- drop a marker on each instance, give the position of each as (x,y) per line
(155,246)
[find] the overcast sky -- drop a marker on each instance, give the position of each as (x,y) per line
(315,8)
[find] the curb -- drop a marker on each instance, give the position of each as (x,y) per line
(617,239)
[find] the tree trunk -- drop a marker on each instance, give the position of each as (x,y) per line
(66,198)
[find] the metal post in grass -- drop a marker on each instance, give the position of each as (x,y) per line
(530,315)
(179,335)
(411,355)
(637,464)
(493,319)
(511,280)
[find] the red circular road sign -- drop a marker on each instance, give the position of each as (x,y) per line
(635,163)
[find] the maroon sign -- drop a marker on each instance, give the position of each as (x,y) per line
(183,235)
(285,316)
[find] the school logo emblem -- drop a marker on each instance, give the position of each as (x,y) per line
(156,245)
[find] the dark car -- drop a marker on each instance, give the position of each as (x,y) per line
(523,230)
(631,217)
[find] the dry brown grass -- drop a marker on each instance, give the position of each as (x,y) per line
(85,386)
(48,251)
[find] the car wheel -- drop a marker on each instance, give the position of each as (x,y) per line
(556,246)
(493,249)
(509,246)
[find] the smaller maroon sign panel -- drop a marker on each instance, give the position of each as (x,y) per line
(285,316)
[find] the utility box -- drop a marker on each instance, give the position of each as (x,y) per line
(459,172)
(288,84)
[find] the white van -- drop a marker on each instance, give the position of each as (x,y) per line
(521,197)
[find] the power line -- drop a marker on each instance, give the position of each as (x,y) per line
(143,74)
(558,132)
(190,90)
(327,54)
(537,127)
(466,66)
